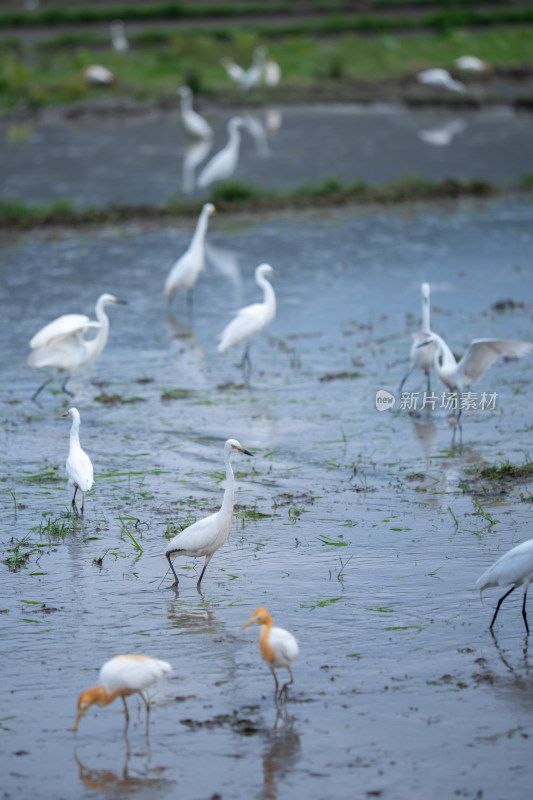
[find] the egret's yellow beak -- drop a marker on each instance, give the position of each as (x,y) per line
(65,414)
(250,622)
(80,715)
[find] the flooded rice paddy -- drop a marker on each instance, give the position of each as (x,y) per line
(108,159)
(361,531)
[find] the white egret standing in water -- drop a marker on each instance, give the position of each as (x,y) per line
(422,357)
(118,36)
(441,78)
(471,64)
(251,319)
(79,467)
(185,271)
(278,647)
(62,344)
(205,536)
(194,124)
(224,163)
(514,567)
(120,677)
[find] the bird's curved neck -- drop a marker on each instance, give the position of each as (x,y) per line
(264,641)
(200,230)
(75,432)
(444,361)
(102,697)
(97,344)
(269,298)
(425,314)
(227,502)
(234,136)
(186,102)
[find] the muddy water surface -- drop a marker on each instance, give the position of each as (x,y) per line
(358,529)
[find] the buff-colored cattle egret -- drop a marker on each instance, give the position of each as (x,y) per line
(514,567)
(78,464)
(205,536)
(62,344)
(278,647)
(250,319)
(194,124)
(118,36)
(120,677)
(441,78)
(185,271)
(422,357)
(224,163)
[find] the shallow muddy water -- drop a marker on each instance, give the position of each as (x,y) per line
(369,545)
(99,160)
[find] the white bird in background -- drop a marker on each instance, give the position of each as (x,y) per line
(257,131)
(194,124)
(98,75)
(185,271)
(480,355)
(514,567)
(422,357)
(272,73)
(250,319)
(205,536)
(440,77)
(247,79)
(62,344)
(78,465)
(118,36)
(471,64)
(224,163)
(235,72)
(443,136)
(195,153)
(278,647)
(120,677)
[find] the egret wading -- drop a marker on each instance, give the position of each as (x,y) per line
(185,271)
(514,567)
(441,78)
(205,536)
(120,677)
(422,357)
(78,464)
(251,319)
(224,163)
(278,647)
(62,345)
(194,124)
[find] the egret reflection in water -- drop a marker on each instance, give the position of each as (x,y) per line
(282,751)
(195,153)
(225,261)
(444,135)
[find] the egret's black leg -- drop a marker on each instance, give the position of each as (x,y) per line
(82,503)
(201,576)
(403,381)
(64,387)
(176,583)
(147,704)
(524,611)
(429,382)
(41,387)
(284,687)
(74,506)
(276,680)
(500,601)
(126,713)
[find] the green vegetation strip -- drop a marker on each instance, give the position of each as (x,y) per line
(239,197)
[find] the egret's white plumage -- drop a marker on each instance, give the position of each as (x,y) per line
(194,124)
(514,567)
(443,136)
(195,153)
(278,647)
(78,465)
(98,75)
(205,536)
(247,78)
(62,344)
(224,163)
(422,357)
(250,319)
(185,271)
(120,677)
(118,36)
(471,64)
(441,78)
(272,73)
(235,72)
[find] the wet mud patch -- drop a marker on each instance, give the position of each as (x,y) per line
(245,722)
(117,399)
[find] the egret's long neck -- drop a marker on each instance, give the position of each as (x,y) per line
(234,137)
(186,102)
(227,503)
(264,641)
(75,432)
(97,344)
(200,231)
(269,298)
(425,314)
(444,360)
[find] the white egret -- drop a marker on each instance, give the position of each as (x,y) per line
(257,131)
(194,124)
(480,355)
(440,77)
(185,271)
(422,357)
(195,153)
(471,64)
(251,319)
(62,344)
(78,464)
(443,136)
(278,647)
(120,677)
(249,78)
(98,75)
(118,36)
(235,72)
(272,73)
(205,536)
(514,567)
(224,163)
